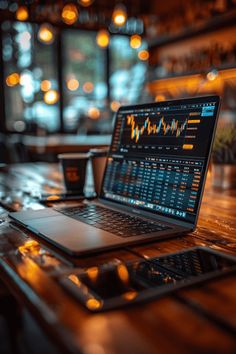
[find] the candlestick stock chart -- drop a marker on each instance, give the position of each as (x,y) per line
(163,127)
(160,131)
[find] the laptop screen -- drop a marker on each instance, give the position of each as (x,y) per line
(158,156)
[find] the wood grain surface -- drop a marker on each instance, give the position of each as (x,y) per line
(197,319)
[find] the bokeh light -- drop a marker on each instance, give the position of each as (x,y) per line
(160,98)
(103,38)
(23,39)
(72,84)
(88,87)
(93,304)
(19,126)
(119,16)
(212,75)
(22,13)
(143,55)
(45,85)
(85,3)
(13,79)
(135,41)
(115,105)
(51,97)
(46,34)
(94,113)
(26,79)
(70,14)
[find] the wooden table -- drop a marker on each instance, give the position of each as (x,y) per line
(199,319)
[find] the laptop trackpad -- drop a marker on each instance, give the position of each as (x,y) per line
(71,235)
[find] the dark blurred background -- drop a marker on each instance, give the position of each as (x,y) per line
(67,66)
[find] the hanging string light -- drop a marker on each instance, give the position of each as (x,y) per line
(46,34)
(135,41)
(70,14)
(119,16)
(103,38)
(22,13)
(85,3)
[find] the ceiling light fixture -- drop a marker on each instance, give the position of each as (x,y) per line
(22,13)
(119,16)
(85,3)
(70,14)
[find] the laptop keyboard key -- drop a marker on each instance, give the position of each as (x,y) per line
(115,222)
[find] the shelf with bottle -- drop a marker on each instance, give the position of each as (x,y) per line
(217,53)
(212,71)
(208,81)
(193,28)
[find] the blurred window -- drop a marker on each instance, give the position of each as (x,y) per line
(30,75)
(84,84)
(31,78)
(127,70)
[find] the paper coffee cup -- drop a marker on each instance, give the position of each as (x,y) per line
(98,158)
(74,170)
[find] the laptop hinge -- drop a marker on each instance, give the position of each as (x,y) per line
(143,213)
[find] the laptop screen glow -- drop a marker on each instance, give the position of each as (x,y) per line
(159,154)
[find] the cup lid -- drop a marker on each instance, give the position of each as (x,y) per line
(98,152)
(67,156)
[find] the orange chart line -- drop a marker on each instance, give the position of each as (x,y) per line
(194,121)
(151,128)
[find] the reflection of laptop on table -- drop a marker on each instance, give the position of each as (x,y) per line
(152,185)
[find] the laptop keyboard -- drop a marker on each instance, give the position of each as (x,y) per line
(112,221)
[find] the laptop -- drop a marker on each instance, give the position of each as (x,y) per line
(152,185)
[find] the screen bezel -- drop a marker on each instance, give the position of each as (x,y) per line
(200,99)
